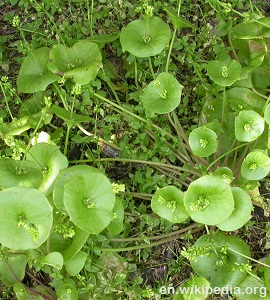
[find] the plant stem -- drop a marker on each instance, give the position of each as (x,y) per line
(137,161)
(170,51)
(144,246)
(8,109)
(158,237)
(151,67)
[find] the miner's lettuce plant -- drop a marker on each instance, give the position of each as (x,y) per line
(50,210)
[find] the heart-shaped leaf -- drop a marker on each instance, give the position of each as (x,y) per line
(241,213)
(218,263)
(203,141)
(26,216)
(144,38)
(89,200)
(75,265)
(224,73)
(163,94)
(116,225)
(249,125)
(255,166)
(209,200)
(168,203)
(34,75)
(81,62)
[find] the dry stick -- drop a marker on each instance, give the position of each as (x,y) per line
(158,237)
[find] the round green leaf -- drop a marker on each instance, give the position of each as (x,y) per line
(241,213)
(19,173)
(75,265)
(116,225)
(67,291)
(224,73)
(12,262)
(251,288)
(54,259)
(25,218)
(168,203)
(255,166)
(144,38)
(81,62)
(34,75)
(203,141)
(186,290)
(225,173)
(89,200)
(249,125)
(267,114)
(51,161)
(209,200)
(218,263)
(63,178)
(163,94)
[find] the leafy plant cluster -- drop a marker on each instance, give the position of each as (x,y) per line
(63,219)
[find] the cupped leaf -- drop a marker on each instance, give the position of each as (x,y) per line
(247,95)
(34,75)
(163,94)
(116,225)
(144,38)
(89,200)
(19,173)
(81,62)
(67,291)
(71,119)
(75,265)
(218,263)
(225,173)
(249,125)
(12,264)
(25,218)
(267,114)
(177,21)
(64,177)
(224,73)
(241,213)
(203,141)
(209,200)
(255,166)
(51,161)
(187,290)
(168,203)
(54,259)
(239,104)
(251,288)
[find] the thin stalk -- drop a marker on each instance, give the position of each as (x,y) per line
(136,73)
(138,161)
(151,67)
(158,237)
(161,170)
(113,91)
(64,101)
(144,246)
(5,97)
(69,127)
(226,153)
(144,196)
(170,51)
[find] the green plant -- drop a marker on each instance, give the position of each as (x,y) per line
(208,167)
